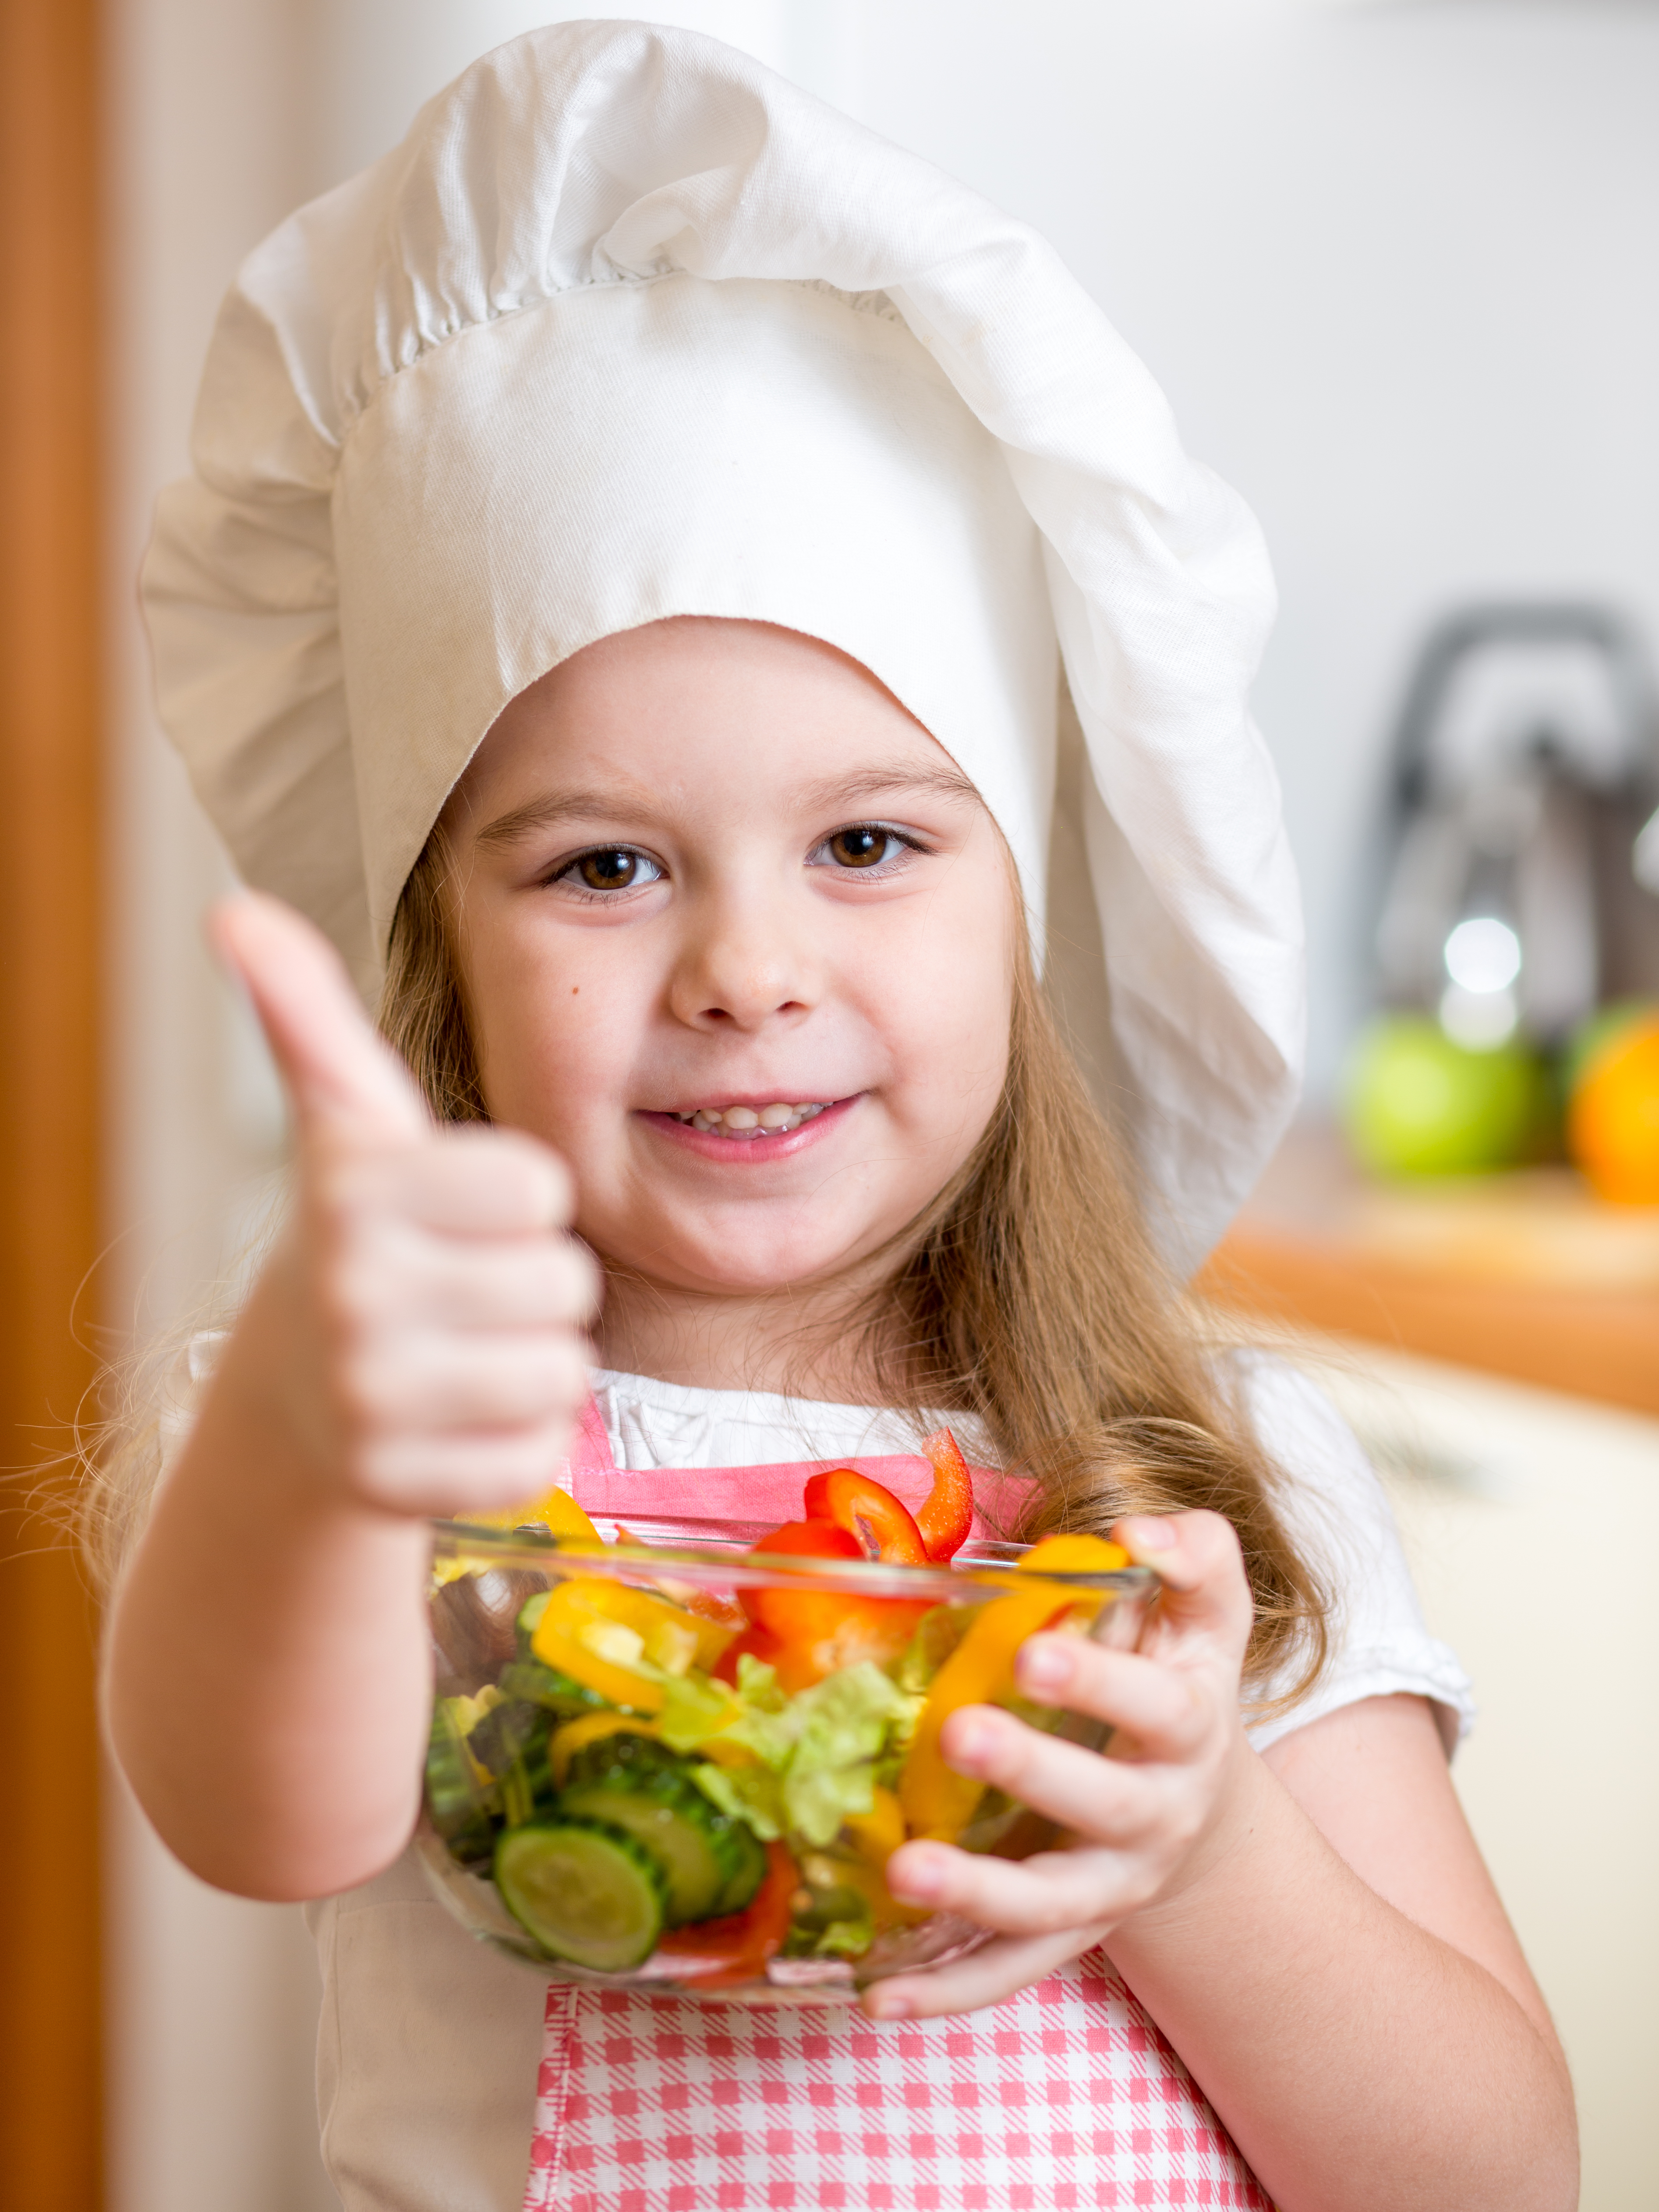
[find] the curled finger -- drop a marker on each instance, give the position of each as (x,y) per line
(1039,1896)
(1106,1800)
(450,1477)
(1165,1709)
(408,1274)
(466,1182)
(985,1977)
(438,1381)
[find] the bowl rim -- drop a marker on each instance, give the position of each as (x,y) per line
(727,1557)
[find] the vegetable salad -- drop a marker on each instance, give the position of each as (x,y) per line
(712,1783)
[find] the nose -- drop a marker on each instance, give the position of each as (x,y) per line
(741,967)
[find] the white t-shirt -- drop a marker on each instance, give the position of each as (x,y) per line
(429,2046)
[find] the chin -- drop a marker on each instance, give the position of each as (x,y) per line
(739,1267)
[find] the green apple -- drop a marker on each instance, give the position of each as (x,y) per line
(1415,1103)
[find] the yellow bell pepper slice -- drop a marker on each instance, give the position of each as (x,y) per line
(938,1802)
(879,1831)
(597,1631)
(556,1510)
(658,1624)
(592,1728)
(556,1646)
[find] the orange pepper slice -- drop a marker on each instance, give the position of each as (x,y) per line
(937,1801)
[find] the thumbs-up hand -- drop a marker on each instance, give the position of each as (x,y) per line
(419,1332)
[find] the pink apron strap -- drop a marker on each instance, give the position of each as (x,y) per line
(767,1495)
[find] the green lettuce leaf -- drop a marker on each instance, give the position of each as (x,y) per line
(757,1683)
(818,1801)
(693,1710)
(819,1750)
(845,1718)
(844,1939)
(751,1794)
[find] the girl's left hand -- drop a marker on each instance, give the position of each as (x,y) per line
(1147,1820)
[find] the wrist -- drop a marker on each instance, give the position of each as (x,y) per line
(1239,1814)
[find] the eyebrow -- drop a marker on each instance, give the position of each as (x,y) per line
(550,807)
(831,794)
(835,792)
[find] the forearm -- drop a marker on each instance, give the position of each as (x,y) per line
(268,1677)
(1361,2064)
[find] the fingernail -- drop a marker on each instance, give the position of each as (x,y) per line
(918,1879)
(885,2004)
(971,1740)
(1147,1534)
(1044,1664)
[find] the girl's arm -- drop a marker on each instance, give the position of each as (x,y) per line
(412,1348)
(1313,1929)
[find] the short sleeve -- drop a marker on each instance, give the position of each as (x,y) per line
(1337,1512)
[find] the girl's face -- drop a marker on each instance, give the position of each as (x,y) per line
(710,875)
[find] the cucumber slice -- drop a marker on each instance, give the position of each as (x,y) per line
(585,1892)
(624,1756)
(545,1685)
(694,1843)
(503,1732)
(460,1808)
(530,1619)
(740,1890)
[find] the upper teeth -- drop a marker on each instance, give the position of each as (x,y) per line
(749,1120)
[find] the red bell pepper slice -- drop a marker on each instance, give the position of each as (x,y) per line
(759,1642)
(947,1513)
(810,1633)
(881,1524)
(820,1632)
(718,1953)
(812,1540)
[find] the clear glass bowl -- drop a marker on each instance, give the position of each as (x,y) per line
(625,1821)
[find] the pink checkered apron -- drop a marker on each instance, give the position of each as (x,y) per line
(1063,2096)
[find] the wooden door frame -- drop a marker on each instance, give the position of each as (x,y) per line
(52,921)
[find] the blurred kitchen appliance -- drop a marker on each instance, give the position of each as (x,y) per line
(1522,882)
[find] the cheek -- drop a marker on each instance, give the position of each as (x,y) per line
(947,1005)
(552,1029)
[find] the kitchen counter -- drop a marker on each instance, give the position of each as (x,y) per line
(1526,1275)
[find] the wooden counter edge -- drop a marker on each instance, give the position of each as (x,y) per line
(1590,1344)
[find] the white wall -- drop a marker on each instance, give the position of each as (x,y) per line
(1395,265)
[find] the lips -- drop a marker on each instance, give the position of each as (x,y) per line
(749,1131)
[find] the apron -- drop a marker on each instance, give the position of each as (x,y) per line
(1064,2098)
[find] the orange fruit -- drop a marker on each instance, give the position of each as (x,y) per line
(1613,1117)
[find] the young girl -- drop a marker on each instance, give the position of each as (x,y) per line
(617,602)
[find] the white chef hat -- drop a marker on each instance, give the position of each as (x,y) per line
(629,327)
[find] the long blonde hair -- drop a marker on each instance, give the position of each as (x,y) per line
(1029,1295)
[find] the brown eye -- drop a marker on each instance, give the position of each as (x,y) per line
(860,848)
(613,869)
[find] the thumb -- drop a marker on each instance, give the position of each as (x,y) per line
(336,1071)
(1199,1562)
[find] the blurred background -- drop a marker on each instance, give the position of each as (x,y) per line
(1395,263)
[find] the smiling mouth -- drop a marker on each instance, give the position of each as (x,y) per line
(745,1123)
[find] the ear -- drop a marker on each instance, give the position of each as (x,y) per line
(337,1072)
